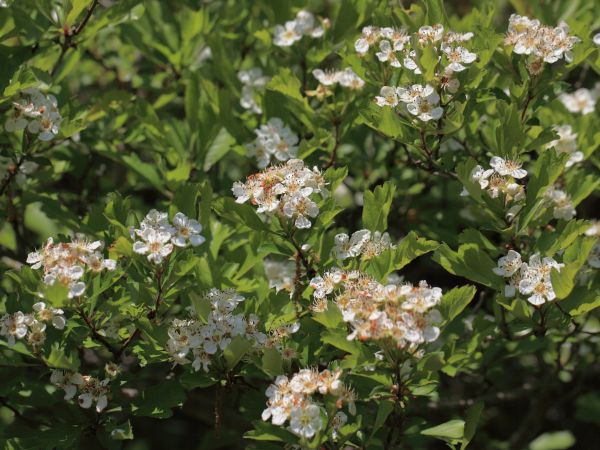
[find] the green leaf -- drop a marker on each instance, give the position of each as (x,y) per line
(546,170)
(376,206)
(470,262)
(574,258)
(219,147)
(455,301)
(339,340)
(473,417)
(57,294)
(581,300)
(265,431)
(384,409)
(331,317)
(450,431)
(409,248)
(157,401)
(565,234)
(59,359)
(558,440)
(272,362)
(435,12)
(235,351)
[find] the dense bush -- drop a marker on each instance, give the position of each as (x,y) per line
(324,224)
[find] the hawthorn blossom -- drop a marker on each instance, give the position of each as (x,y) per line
(295,400)
(543,43)
(67,381)
(346,78)
(155,244)
(66,263)
(421,101)
(581,101)
(36,112)
(566,143)
(531,279)
(306,421)
(253,81)
(507,167)
(31,326)
(403,313)
(93,391)
(349,247)
(197,342)
(186,231)
(388,96)
(157,235)
(458,56)
(280,274)
(396,47)
(294,30)
(481,176)
(287,190)
(562,207)
(274,139)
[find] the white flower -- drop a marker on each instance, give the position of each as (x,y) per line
(541,290)
(13,326)
(388,96)
(370,35)
(561,202)
(305,421)
(581,101)
(424,104)
(507,167)
(566,143)
(349,247)
(36,112)
(596,39)
(49,314)
(186,230)
(155,244)
(386,54)
(286,36)
(509,264)
(69,382)
(458,56)
(594,230)
(481,176)
(302,25)
(252,81)
(273,139)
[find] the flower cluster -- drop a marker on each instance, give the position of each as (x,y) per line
(91,390)
(328,79)
(363,243)
(566,143)
(530,279)
(158,235)
(582,101)
(280,274)
(293,30)
(402,313)
(33,325)
(285,190)
(543,44)
(590,268)
(421,101)
(252,81)
(562,207)
(204,339)
(274,139)
(395,47)
(501,178)
(293,399)
(36,112)
(67,262)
